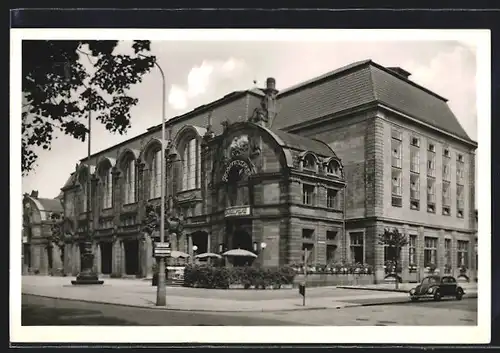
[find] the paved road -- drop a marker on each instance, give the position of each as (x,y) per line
(429,313)
(38,311)
(44,311)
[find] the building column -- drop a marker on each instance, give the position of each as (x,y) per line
(98,258)
(441,252)
(190,247)
(420,253)
(57,263)
(378,250)
(123,258)
(148,253)
(44,261)
(454,265)
(209,242)
(67,258)
(405,256)
(116,260)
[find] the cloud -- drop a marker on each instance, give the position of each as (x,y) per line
(202,80)
(452,74)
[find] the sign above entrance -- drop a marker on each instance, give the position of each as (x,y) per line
(239,211)
(237,163)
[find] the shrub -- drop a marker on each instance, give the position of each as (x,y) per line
(208,276)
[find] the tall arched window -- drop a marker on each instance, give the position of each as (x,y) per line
(129,180)
(155,175)
(83,179)
(107,187)
(190,164)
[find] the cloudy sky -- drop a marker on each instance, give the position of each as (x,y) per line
(199,72)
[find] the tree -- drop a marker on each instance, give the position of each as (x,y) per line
(395,241)
(57,234)
(64,79)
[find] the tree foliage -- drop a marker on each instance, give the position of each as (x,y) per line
(395,241)
(64,79)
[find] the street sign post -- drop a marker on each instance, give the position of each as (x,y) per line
(162,250)
(302,286)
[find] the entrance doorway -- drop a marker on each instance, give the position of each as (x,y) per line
(200,239)
(106,257)
(242,240)
(131,257)
(50,262)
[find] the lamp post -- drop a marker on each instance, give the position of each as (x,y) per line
(87,274)
(161,295)
(195,248)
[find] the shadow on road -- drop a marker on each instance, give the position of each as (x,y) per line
(39,315)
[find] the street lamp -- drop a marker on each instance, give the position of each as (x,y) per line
(195,248)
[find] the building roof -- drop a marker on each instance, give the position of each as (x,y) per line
(51,205)
(301,143)
(362,83)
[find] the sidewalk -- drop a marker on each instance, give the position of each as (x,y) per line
(470,289)
(139,293)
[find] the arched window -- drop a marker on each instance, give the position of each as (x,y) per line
(333,168)
(155,173)
(106,187)
(129,181)
(190,165)
(83,180)
(309,162)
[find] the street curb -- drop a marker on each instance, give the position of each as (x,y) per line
(374,289)
(188,310)
(472,296)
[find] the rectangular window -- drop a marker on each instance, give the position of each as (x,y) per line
(412,249)
(357,247)
(431,164)
(331,198)
(460,173)
(460,201)
(308,194)
(431,147)
(414,191)
(414,159)
(431,195)
(307,234)
(191,182)
(446,152)
(447,251)
(331,235)
(460,157)
(446,198)
(330,253)
(397,135)
(396,153)
(415,141)
(430,251)
(446,169)
(463,253)
(396,187)
(310,252)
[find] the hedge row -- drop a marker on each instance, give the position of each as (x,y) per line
(208,276)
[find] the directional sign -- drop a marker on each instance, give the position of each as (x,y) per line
(162,252)
(164,245)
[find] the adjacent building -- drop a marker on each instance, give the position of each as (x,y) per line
(325,165)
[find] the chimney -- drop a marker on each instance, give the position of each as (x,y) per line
(270,100)
(34,194)
(400,71)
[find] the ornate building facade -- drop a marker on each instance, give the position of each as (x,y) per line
(325,165)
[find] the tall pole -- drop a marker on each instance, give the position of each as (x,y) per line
(87,274)
(161,295)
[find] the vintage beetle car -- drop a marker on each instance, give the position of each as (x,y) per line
(436,287)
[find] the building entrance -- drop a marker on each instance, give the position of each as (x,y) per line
(106,257)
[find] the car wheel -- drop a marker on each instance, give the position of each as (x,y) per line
(460,294)
(437,295)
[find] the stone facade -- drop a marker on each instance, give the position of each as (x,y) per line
(268,204)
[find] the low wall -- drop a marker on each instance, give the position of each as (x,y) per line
(327,279)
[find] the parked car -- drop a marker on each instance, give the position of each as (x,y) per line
(437,287)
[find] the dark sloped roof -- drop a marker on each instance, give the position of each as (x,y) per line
(51,205)
(358,84)
(301,143)
(414,101)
